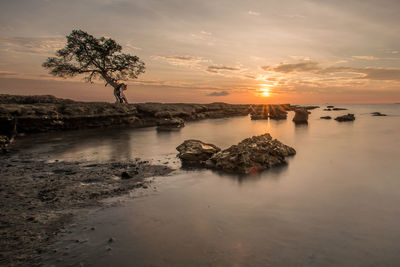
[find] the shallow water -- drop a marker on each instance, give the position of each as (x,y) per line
(334,204)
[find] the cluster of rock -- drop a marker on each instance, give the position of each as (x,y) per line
(250,156)
(348,117)
(274,112)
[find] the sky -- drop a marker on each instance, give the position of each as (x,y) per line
(234,51)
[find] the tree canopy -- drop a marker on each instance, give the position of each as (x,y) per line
(97,58)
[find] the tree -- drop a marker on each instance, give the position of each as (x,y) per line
(97,58)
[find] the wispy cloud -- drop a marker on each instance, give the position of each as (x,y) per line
(366,57)
(219,93)
(253,13)
(182,60)
(305,66)
(218,68)
(312,67)
(43,46)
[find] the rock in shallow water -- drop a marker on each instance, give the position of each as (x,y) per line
(348,117)
(250,155)
(168,124)
(195,152)
(301,116)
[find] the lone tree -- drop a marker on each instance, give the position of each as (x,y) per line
(97,58)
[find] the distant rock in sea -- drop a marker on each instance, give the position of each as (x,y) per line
(348,117)
(378,114)
(250,156)
(330,106)
(326,117)
(339,109)
(301,116)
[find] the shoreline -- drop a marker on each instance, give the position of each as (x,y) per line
(40,198)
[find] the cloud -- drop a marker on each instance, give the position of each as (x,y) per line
(314,68)
(129,45)
(253,13)
(185,60)
(218,68)
(306,66)
(6,73)
(365,57)
(221,93)
(44,46)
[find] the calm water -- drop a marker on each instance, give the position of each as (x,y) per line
(335,204)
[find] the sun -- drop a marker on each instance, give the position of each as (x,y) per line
(265,92)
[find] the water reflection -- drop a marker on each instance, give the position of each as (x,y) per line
(273,174)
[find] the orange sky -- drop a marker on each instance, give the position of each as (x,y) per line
(207,51)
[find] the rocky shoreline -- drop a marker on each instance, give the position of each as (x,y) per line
(40,198)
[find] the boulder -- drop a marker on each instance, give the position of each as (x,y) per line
(168,124)
(378,114)
(251,155)
(301,116)
(326,117)
(348,117)
(195,152)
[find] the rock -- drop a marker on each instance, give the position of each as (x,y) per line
(111,240)
(311,107)
(125,175)
(326,117)
(378,114)
(348,117)
(259,116)
(277,114)
(330,106)
(195,152)
(301,116)
(327,109)
(168,124)
(251,155)
(339,109)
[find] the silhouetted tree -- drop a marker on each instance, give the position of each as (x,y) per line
(96,58)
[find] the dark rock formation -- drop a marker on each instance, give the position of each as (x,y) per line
(378,114)
(327,109)
(326,117)
(330,106)
(251,155)
(339,109)
(195,152)
(348,117)
(47,113)
(169,124)
(301,116)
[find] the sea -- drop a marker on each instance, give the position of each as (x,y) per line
(335,203)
